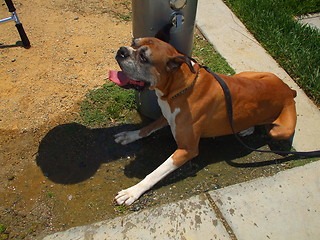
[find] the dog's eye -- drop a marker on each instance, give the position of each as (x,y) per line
(143,58)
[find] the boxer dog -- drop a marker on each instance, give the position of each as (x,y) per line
(193,104)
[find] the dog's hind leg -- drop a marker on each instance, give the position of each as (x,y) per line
(131,136)
(284,126)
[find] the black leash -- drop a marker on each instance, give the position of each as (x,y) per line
(228,99)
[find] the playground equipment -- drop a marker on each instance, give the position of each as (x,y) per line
(14,16)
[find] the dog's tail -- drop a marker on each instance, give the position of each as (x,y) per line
(294,93)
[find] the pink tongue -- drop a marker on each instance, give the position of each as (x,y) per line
(119,78)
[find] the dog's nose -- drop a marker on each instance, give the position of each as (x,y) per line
(123,52)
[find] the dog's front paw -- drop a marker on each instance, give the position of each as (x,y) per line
(128,196)
(127,137)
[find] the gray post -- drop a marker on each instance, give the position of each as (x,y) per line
(149,16)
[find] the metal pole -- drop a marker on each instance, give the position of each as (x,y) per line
(149,17)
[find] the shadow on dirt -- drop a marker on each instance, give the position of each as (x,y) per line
(72,153)
(18,44)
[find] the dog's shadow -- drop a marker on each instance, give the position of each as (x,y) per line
(72,153)
(154,150)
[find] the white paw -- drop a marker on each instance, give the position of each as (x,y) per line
(128,196)
(127,137)
(246,132)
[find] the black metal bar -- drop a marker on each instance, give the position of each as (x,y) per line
(23,35)
(10,6)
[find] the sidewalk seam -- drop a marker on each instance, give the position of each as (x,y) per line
(221,218)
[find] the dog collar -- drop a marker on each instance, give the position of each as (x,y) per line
(187,88)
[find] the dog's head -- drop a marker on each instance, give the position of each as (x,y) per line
(150,60)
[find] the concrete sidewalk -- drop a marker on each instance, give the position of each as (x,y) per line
(284,206)
(313,20)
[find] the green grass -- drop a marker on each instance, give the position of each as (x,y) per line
(295,47)
(301,7)
(121,209)
(206,55)
(50,195)
(111,104)
(107,104)
(3,234)
(301,162)
(2,228)
(121,10)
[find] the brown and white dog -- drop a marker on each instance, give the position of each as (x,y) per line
(193,104)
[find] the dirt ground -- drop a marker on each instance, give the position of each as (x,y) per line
(73,47)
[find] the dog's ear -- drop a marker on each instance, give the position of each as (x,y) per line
(175,63)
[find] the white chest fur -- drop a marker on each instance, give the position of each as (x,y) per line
(167,113)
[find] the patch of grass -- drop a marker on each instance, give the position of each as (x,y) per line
(301,7)
(109,103)
(295,47)
(2,228)
(50,195)
(121,209)
(206,55)
(122,10)
(3,234)
(301,162)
